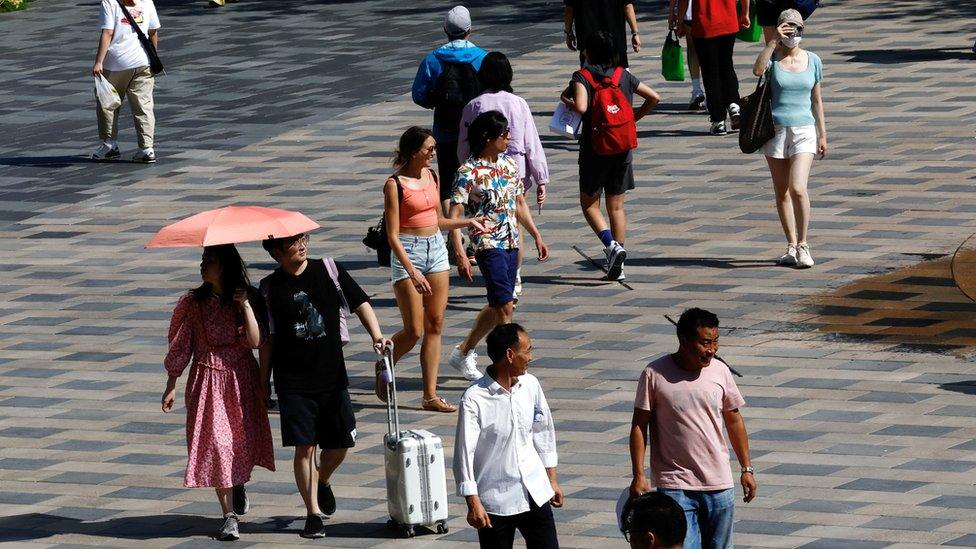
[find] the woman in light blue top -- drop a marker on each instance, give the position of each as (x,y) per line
(801,132)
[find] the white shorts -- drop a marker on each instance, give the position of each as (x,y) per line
(790,140)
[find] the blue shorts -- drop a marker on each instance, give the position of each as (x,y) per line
(427,253)
(498,268)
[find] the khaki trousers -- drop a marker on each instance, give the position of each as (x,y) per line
(137,86)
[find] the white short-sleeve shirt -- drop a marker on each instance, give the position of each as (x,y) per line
(125,52)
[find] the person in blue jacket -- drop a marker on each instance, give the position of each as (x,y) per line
(446,80)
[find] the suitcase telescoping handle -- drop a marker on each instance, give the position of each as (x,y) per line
(388,377)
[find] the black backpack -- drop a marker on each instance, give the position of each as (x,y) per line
(457,85)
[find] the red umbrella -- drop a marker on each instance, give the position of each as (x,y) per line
(230,225)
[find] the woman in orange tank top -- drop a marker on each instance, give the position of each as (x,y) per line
(420,271)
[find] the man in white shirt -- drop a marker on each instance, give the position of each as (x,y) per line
(505,449)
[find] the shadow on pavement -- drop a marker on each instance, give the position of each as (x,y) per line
(715,263)
(893,57)
(45,161)
(34,526)
(964,387)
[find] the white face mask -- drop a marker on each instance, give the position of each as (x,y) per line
(791,41)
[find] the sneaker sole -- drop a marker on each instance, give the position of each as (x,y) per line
(736,121)
(613,271)
(311,536)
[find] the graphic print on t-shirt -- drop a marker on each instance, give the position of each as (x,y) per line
(136,14)
(309,324)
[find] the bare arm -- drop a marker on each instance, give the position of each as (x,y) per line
(154,37)
(632,23)
(557,499)
(651,99)
(524,215)
(264,370)
(579,98)
(252,333)
(638,447)
(816,97)
(736,427)
(672,14)
(568,16)
(682,9)
(103,42)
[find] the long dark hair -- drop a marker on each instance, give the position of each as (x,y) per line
(411,141)
(600,51)
(495,74)
(233,274)
(487,126)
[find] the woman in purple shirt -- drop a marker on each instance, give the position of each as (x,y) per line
(524,145)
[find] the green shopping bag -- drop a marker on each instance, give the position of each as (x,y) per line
(672,62)
(754,33)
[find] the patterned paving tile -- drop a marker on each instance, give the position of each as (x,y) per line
(857,372)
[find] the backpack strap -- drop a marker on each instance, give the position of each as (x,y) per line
(618,73)
(330,266)
(588,76)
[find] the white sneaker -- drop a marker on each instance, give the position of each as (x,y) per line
(466,364)
(622,276)
(146,156)
(734,116)
(518,284)
(803,258)
(108,150)
(718,128)
(616,254)
(789,258)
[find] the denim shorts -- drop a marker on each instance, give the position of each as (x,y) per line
(427,253)
(709,515)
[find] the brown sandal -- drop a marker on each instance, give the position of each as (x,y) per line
(438,404)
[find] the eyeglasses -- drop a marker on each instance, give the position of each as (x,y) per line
(504,135)
(297,239)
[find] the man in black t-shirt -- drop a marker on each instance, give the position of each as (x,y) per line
(592,16)
(307,328)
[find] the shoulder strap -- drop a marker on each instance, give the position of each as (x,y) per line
(396,178)
(135,26)
(587,75)
(618,73)
(330,266)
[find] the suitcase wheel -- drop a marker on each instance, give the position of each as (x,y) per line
(392,524)
(442,528)
(410,532)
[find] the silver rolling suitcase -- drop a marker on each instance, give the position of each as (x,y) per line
(416,485)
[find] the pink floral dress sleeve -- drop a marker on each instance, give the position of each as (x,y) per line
(181,336)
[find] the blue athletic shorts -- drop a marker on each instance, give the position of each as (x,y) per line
(498,268)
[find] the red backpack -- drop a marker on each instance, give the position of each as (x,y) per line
(611,115)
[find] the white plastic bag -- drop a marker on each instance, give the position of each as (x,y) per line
(565,122)
(107,95)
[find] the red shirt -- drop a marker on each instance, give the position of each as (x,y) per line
(711,18)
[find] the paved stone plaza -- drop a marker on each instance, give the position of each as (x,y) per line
(858,373)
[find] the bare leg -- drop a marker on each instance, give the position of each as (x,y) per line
(694,69)
(433,319)
(411,307)
(306,478)
(799,175)
(331,459)
(226,498)
(618,221)
(488,318)
(779,168)
(592,213)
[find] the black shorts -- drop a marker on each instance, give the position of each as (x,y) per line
(323,419)
(447,167)
(613,175)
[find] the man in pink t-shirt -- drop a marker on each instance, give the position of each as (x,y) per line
(682,400)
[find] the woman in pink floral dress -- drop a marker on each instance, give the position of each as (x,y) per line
(214,330)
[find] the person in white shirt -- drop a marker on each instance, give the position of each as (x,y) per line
(123,61)
(505,449)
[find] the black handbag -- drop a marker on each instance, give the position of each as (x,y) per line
(756,111)
(155,64)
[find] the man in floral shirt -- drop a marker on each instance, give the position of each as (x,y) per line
(488,184)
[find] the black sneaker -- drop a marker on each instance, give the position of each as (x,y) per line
(229,530)
(327,503)
(314,527)
(697,103)
(241,504)
(718,128)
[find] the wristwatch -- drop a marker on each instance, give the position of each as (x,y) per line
(750,470)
